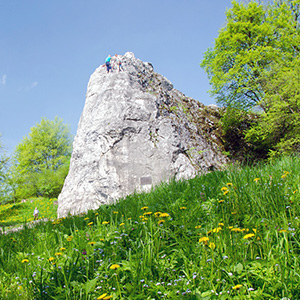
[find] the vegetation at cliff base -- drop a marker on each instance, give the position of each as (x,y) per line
(254,67)
(230,234)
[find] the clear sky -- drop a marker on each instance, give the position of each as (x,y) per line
(49,49)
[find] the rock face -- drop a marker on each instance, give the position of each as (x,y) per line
(135,131)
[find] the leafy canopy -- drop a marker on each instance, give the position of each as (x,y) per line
(253,37)
(41,160)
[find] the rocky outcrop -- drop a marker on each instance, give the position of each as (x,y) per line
(135,131)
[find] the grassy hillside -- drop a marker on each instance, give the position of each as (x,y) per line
(223,235)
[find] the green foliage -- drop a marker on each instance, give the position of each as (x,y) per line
(4,160)
(279,127)
(41,160)
(249,218)
(253,37)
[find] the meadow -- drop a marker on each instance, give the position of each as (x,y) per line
(230,234)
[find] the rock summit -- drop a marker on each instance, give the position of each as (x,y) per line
(136,130)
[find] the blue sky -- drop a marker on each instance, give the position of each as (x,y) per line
(49,49)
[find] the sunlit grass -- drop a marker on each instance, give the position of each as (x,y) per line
(224,235)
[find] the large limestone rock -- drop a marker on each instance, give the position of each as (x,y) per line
(135,131)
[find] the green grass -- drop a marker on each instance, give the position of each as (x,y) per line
(22,212)
(224,235)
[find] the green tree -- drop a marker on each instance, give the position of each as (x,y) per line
(279,127)
(3,174)
(253,37)
(41,160)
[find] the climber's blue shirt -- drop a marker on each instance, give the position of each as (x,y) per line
(108,59)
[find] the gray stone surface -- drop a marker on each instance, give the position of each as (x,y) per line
(135,131)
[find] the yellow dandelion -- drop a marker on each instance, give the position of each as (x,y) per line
(221,201)
(161,221)
(233,212)
(183,208)
(224,188)
(164,215)
(229,184)
(102,296)
(254,230)
(69,238)
(157,214)
(86,218)
(236,287)
(92,243)
(282,230)
(256,179)
(96,214)
(147,213)
(235,229)
(221,224)
(101,240)
(107,297)
(144,207)
(25,261)
(122,224)
(114,266)
(51,259)
(198,226)
(204,240)
(62,249)
(115,212)
(58,253)
(105,222)
(145,219)
(212,246)
(91,223)
(226,192)
(248,236)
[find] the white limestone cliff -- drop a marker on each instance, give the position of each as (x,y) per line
(135,131)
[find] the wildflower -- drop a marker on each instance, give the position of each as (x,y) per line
(144,207)
(212,245)
(58,253)
(248,236)
(157,214)
(198,226)
(96,214)
(102,296)
(62,249)
(164,215)
(105,222)
(115,212)
(221,201)
(122,224)
(147,213)
(107,297)
(69,238)
(282,230)
(233,212)
(256,179)
(161,221)
(25,260)
(86,218)
(226,192)
(91,223)
(236,287)
(221,224)
(92,243)
(204,240)
(183,208)
(229,184)
(236,229)
(51,259)
(114,266)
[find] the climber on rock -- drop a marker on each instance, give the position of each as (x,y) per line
(119,63)
(107,63)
